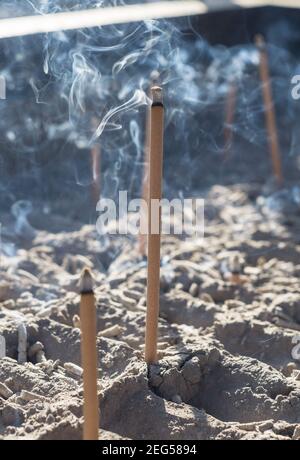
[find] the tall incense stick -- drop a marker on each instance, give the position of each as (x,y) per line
(154,77)
(269,109)
(96,167)
(154,223)
(89,357)
(96,170)
(229,115)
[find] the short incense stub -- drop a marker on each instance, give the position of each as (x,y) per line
(86,283)
(236,265)
(157,95)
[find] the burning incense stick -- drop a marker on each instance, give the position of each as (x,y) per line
(96,167)
(96,162)
(236,270)
(269,109)
(154,224)
(229,115)
(154,78)
(89,356)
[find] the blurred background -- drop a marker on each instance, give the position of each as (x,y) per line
(74,119)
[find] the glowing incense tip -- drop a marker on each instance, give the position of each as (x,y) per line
(86,282)
(157,95)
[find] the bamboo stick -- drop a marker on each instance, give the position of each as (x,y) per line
(89,357)
(269,109)
(154,224)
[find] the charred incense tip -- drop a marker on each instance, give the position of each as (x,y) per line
(260,41)
(157,95)
(86,283)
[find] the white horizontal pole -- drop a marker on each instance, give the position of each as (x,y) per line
(255,3)
(28,25)
(55,22)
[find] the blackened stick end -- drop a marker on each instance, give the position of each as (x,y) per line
(157,96)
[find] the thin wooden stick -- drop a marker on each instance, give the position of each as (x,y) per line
(269,109)
(229,115)
(96,168)
(236,270)
(154,224)
(89,357)
(154,78)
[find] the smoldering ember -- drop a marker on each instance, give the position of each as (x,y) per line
(150,336)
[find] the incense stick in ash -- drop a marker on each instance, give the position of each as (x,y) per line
(236,270)
(154,78)
(154,223)
(89,356)
(269,109)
